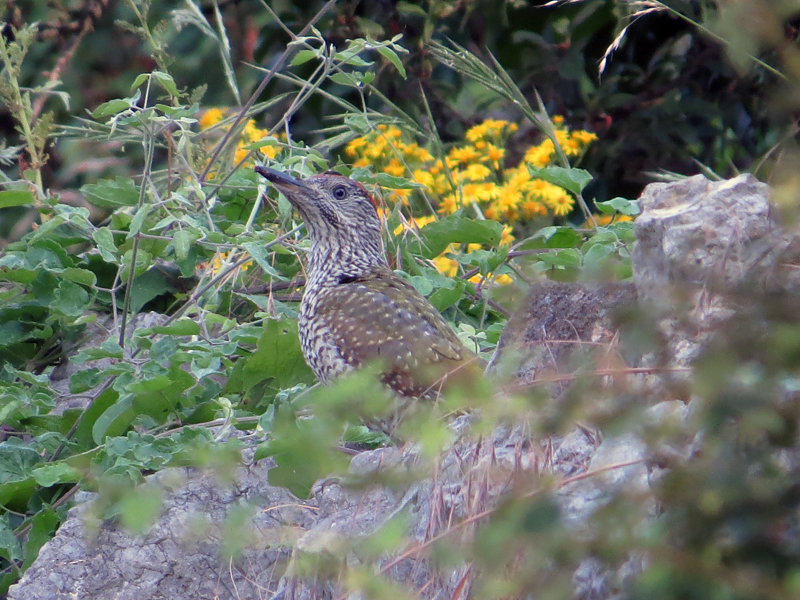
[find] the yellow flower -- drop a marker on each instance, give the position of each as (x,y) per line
(211,117)
(484,192)
(496,126)
(477,133)
(495,154)
(221,258)
(533,208)
(462,155)
(539,156)
(424,177)
(447,266)
(269,151)
(491,278)
(507,238)
(400,196)
(354,146)
(557,199)
(240,154)
(584,137)
(477,172)
(558,120)
(449,204)
(395,167)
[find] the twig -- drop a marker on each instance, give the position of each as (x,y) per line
(55,73)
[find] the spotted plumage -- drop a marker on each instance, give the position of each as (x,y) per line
(355,310)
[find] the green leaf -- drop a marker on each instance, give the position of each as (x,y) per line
(353,78)
(302,451)
(83,434)
(105,244)
(183,326)
(553,237)
(137,221)
(568,258)
(182,241)
(621,205)
(408,8)
(114,421)
(140,79)
(111,108)
(435,237)
(156,397)
(85,379)
(364,436)
(82,276)
(70,299)
(167,83)
(261,256)
(43,525)
(444,298)
(108,349)
(277,364)
(143,262)
(150,285)
(397,183)
(111,193)
(16,494)
(13,198)
(16,461)
(10,548)
(389,55)
(58,472)
(304,56)
(573,180)
(12,332)
(140,507)
(423,285)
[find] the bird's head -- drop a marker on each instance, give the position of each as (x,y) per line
(340,215)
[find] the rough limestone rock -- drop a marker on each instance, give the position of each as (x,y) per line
(698,242)
(182,556)
(695,238)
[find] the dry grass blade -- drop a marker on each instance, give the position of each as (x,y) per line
(615,45)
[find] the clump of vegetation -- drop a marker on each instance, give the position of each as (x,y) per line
(175,222)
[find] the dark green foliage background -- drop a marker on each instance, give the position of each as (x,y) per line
(668,98)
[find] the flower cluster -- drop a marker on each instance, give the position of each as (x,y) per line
(473,174)
(250,135)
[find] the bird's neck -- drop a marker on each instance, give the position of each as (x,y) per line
(331,261)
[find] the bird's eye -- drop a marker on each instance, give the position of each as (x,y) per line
(340,192)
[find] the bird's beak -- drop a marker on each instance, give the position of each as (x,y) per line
(283,181)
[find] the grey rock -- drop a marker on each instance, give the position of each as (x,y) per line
(697,243)
(182,555)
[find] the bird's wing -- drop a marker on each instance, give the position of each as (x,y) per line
(387,319)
